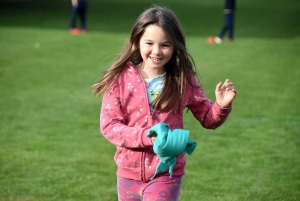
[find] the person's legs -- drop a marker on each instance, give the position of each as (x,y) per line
(82,14)
(223,31)
(129,189)
(224,28)
(230,22)
(73,18)
(73,29)
(162,188)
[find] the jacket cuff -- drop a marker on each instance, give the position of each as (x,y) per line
(222,111)
(146,141)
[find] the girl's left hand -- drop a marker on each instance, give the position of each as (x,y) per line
(225,93)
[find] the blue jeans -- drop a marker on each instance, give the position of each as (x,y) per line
(228,26)
(81,11)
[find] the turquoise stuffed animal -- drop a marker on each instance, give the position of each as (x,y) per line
(169,144)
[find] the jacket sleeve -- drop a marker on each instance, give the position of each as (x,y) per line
(209,114)
(112,123)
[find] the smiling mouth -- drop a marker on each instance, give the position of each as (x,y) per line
(155,59)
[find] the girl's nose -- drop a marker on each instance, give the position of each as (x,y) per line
(156,49)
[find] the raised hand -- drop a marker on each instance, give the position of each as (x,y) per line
(225,93)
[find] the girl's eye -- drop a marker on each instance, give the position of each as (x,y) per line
(165,45)
(149,43)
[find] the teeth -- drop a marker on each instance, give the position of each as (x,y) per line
(155,58)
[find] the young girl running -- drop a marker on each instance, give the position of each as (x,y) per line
(151,84)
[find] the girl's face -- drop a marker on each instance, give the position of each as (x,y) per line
(156,49)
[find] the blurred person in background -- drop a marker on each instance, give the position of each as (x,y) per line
(79,10)
(229,10)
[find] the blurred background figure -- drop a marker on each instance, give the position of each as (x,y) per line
(229,9)
(79,10)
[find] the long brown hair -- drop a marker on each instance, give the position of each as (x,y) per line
(179,69)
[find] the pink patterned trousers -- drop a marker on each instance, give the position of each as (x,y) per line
(162,188)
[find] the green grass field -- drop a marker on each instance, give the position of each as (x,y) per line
(50,145)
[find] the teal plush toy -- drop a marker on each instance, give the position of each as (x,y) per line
(169,144)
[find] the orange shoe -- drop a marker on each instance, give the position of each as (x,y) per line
(75,31)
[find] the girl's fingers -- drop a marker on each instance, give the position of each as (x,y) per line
(219,86)
(229,84)
(230,88)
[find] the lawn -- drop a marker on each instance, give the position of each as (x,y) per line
(50,145)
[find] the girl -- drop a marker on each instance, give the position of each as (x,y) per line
(153,81)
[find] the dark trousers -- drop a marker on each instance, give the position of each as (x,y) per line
(228,26)
(79,11)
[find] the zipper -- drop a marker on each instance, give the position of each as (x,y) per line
(151,112)
(143,168)
(149,123)
(143,179)
(145,91)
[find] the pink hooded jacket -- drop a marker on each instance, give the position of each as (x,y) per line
(126,119)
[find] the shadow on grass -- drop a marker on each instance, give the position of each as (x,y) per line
(255,18)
